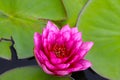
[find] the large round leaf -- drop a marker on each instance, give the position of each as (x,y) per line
(6,52)
(100,23)
(29,73)
(73,9)
(33,9)
(22,34)
(20,19)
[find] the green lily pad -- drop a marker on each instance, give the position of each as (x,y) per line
(73,9)
(29,73)
(22,35)
(20,19)
(100,24)
(47,9)
(6,52)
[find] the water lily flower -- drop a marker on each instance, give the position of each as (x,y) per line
(61,51)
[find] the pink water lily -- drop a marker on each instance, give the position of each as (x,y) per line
(61,51)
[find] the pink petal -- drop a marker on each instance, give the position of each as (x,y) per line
(52,55)
(75,59)
(77,67)
(77,36)
(62,73)
(87,45)
(74,30)
(75,47)
(69,45)
(51,37)
(63,66)
(74,42)
(49,65)
(65,28)
(82,53)
(55,61)
(60,40)
(66,35)
(42,55)
(57,66)
(38,58)
(45,46)
(81,65)
(37,40)
(85,64)
(49,41)
(47,70)
(78,49)
(45,33)
(52,27)
(77,44)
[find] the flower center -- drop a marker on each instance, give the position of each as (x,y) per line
(60,51)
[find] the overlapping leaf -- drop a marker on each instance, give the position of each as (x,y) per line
(29,73)
(73,10)
(100,23)
(21,19)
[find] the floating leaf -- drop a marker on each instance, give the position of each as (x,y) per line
(21,19)
(6,52)
(73,9)
(29,73)
(100,23)
(47,9)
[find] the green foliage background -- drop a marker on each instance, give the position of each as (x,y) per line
(99,22)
